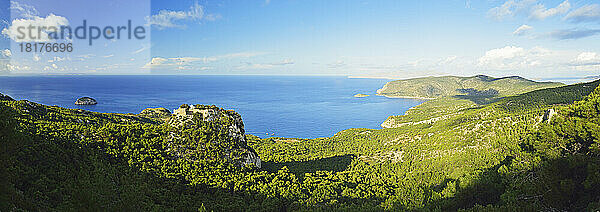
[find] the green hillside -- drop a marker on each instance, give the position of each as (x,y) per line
(480,85)
(510,154)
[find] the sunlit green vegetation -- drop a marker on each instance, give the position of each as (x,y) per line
(480,85)
(501,155)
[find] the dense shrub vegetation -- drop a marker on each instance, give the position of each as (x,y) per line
(501,155)
(480,85)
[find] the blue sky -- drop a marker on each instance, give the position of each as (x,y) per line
(397,39)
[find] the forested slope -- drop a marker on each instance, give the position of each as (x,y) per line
(502,155)
(480,85)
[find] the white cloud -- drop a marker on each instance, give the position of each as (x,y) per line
(190,63)
(144,48)
(284,62)
(501,53)
(176,63)
(522,30)
(6,53)
(254,66)
(509,9)
(587,61)
(23,10)
(107,56)
(85,56)
(18,32)
(511,58)
(587,56)
(167,18)
(540,12)
(14,67)
(587,13)
(54,59)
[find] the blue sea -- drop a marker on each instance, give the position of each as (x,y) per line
(281,106)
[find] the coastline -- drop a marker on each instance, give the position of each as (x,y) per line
(405,97)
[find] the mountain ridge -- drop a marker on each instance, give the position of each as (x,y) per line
(435,87)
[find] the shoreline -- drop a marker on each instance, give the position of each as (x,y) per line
(405,97)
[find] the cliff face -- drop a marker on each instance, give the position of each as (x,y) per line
(226,121)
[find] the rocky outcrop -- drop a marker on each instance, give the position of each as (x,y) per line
(237,150)
(391,122)
(548,116)
(86,101)
(5,98)
(160,113)
(360,95)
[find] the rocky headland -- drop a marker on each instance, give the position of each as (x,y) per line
(229,121)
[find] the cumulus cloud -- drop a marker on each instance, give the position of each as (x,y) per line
(522,30)
(571,34)
(168,18)
(587,13)
(515,58)
(26,16)
(586,59)
(540,12)
(18,30)
(538,61)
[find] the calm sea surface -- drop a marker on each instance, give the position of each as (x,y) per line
(286,106)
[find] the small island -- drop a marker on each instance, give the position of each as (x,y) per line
(360,95)
(86,101)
